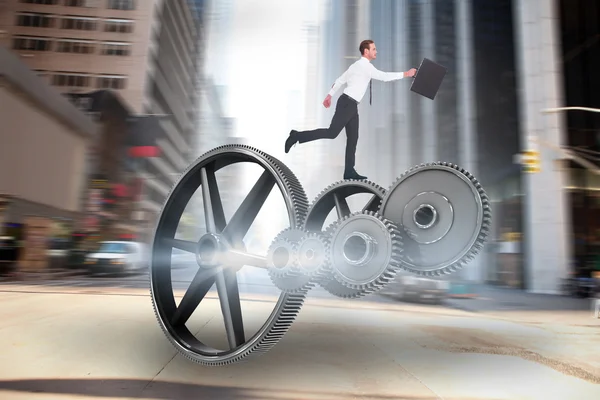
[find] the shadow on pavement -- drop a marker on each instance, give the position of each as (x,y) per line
(135,388)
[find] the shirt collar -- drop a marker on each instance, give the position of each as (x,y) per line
(365,58)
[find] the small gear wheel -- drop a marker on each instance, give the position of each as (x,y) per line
(281,255)
(365,251)
(282,262)
(313,256)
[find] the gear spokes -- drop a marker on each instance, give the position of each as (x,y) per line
(220,253)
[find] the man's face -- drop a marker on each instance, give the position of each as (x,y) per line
(371,54)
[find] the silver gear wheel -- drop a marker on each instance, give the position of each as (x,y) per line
(281,256)
(445,216)
(161,291)
(334,197)
(366,251)
(313,256)
(282,263)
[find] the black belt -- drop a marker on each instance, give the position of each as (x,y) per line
(344,94)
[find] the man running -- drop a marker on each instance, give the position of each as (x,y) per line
(357,77)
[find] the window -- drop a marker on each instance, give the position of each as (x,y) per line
(44,2)
(116,49)
(71,79)
(115,247)
(79,23)
(35,20)
(75,46)
(31,43)
(118,25)
(121,5)
(81,3)
(111,82)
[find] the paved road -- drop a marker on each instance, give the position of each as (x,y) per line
(251,281)
(58,342)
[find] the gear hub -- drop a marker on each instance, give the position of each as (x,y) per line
(365,251)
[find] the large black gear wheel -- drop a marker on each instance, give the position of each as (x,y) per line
(445,216)
(335,196)
(282,263)
(366,251)
(220,252)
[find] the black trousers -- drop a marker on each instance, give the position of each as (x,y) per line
(345,116)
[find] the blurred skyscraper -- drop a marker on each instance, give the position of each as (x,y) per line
(147,51)
(219,21)
(476,121)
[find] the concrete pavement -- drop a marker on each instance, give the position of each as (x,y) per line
(63,342)
(528,307)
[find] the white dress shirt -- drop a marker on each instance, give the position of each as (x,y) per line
(358,76)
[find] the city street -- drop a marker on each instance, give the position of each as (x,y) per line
(79,340)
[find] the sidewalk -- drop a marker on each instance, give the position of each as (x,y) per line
(499,301)
(48,275)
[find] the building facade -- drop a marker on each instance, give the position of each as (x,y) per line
(487,111)
(147,51)
(44,145)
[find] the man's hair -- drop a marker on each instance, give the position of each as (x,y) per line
(365,45)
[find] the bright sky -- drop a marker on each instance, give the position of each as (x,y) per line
(266,58)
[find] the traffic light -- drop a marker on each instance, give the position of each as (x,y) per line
(530,161)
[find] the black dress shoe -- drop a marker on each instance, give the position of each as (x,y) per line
(352,174)
(291,140)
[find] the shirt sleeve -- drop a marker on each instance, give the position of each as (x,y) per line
(339,82)
(385,76)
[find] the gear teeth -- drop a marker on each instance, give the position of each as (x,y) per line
(289,305)
(484,230)
(394,263)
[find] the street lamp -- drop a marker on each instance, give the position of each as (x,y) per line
(557,109)
(530,159)
(568,153)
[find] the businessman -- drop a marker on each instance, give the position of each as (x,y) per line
(357,77)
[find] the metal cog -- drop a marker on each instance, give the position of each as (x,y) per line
(288,305)
(313,256)
(407,203)
(334,196)
(285,273)
(281,256)
(366,251)
(330,284)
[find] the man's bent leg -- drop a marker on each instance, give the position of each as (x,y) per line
(351,142)
(344,112)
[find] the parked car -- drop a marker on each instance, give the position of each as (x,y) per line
(118,257)
(408,286)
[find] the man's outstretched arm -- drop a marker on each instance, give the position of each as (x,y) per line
(391,76)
